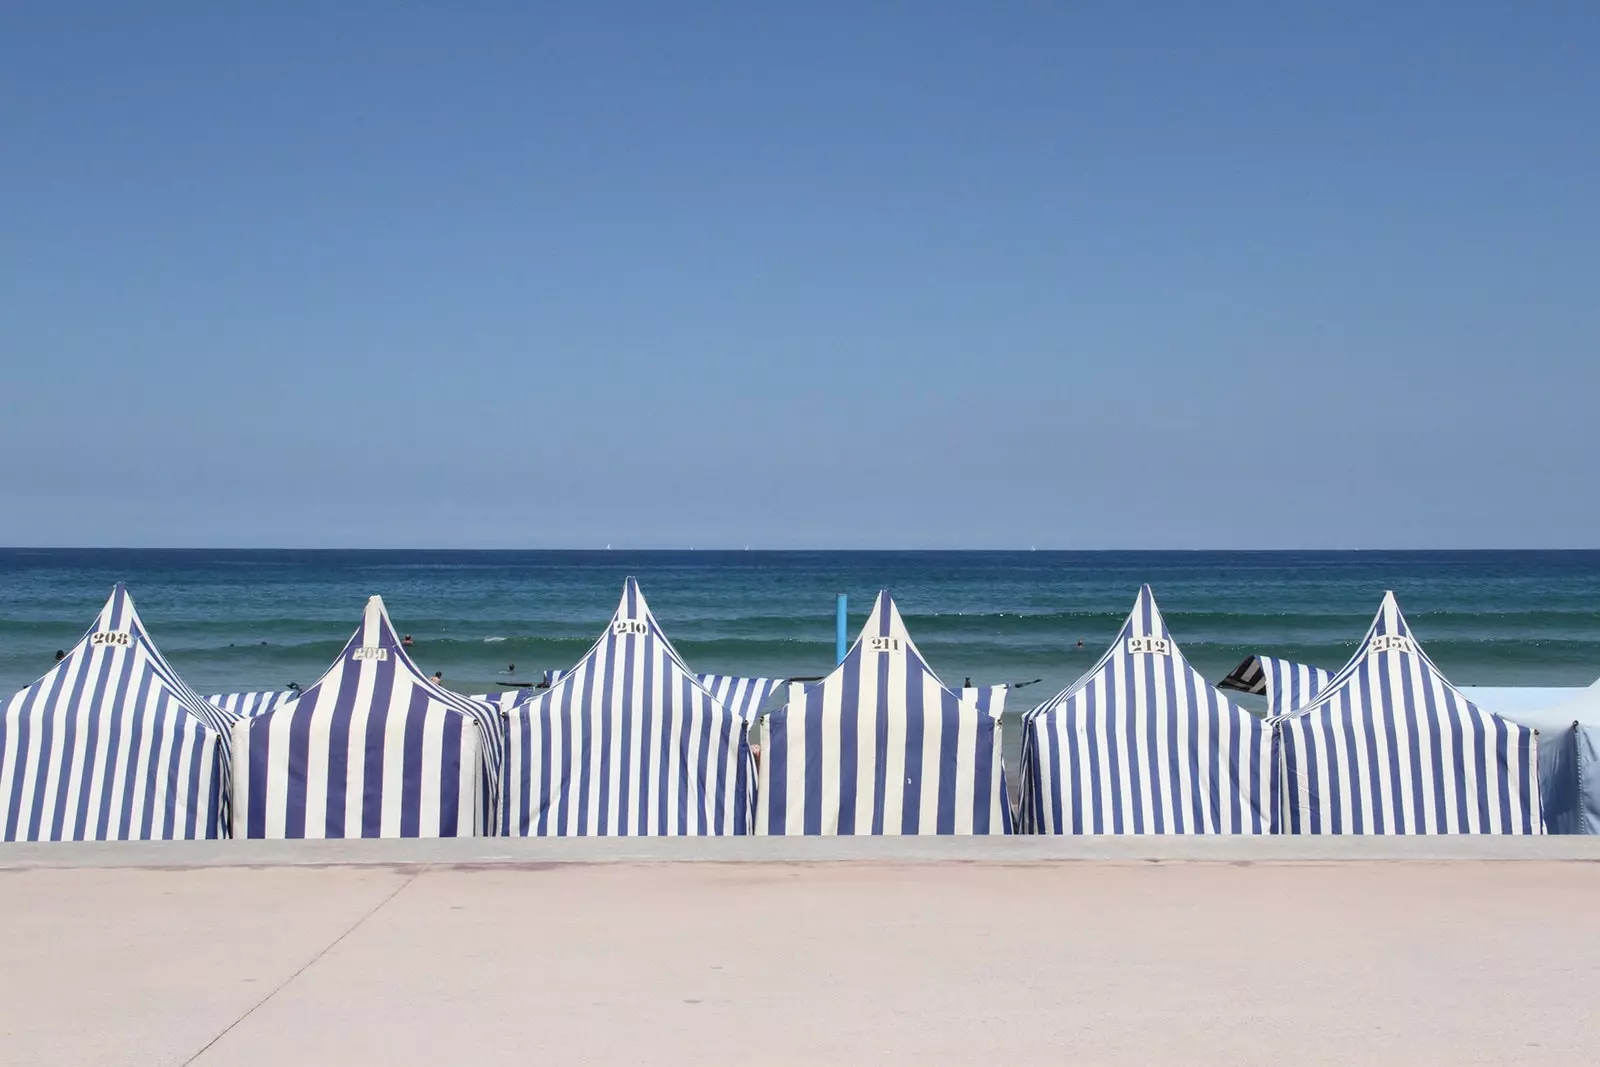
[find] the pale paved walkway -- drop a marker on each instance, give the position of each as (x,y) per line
(981,960)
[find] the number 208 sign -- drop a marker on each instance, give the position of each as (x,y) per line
(1149,646)
(113,638)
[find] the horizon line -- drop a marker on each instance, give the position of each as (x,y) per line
(767,550)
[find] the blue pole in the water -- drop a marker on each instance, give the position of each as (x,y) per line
(839,645)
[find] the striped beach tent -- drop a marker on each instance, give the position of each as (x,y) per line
(1142,744)
(881,746)
(1390,747)
(502,700)
(374,749)
(627,743)
(745,697)
(112,745)
(1286,684)
(246,705)
(990,700)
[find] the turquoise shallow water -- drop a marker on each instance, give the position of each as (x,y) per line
(258,619)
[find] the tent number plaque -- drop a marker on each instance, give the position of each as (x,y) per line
(1149,646)
(889,645)
(111,638)
(627,627)
(372,652)
(1391,643)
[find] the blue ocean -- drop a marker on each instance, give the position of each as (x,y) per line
(238,620)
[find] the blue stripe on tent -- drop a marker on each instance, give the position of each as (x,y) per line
(882,746)
(1143,744)
(627,742)
(111,744)
(1390,747)
(373,749)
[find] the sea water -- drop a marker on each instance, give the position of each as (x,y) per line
(243,620)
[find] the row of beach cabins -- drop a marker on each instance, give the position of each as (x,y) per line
(112,744)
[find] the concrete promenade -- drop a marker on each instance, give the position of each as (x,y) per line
(754,951)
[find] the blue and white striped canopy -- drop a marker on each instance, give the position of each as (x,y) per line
(247,705)
(502,700)
(1142,744)
(1390,747)
(627,743)
(1286,684)
(745,697)
(881,746)
(373,749)
(112,745)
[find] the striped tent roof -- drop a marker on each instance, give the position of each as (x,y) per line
(112,745)
(745,697)
(1286,684)
(502,700)
(1142,744)
(1391,747)
(628,742)
(246,705)
(374,749)
(882,746)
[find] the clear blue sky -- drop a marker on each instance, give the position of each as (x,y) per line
(804,275)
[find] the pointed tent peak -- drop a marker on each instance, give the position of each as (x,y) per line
(885,623)
(1144,633)
(118,613)
(1389,619)
(1389,631)
(1145,620)
(885,633)
(377,629)
(377,641)
(885,620)
(118,626)
(632,607)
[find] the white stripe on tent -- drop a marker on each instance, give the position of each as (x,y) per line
(248,705)
(1390,747)
(373,749)
(628,742)
(112,745)
(881,746)
(1143,744)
